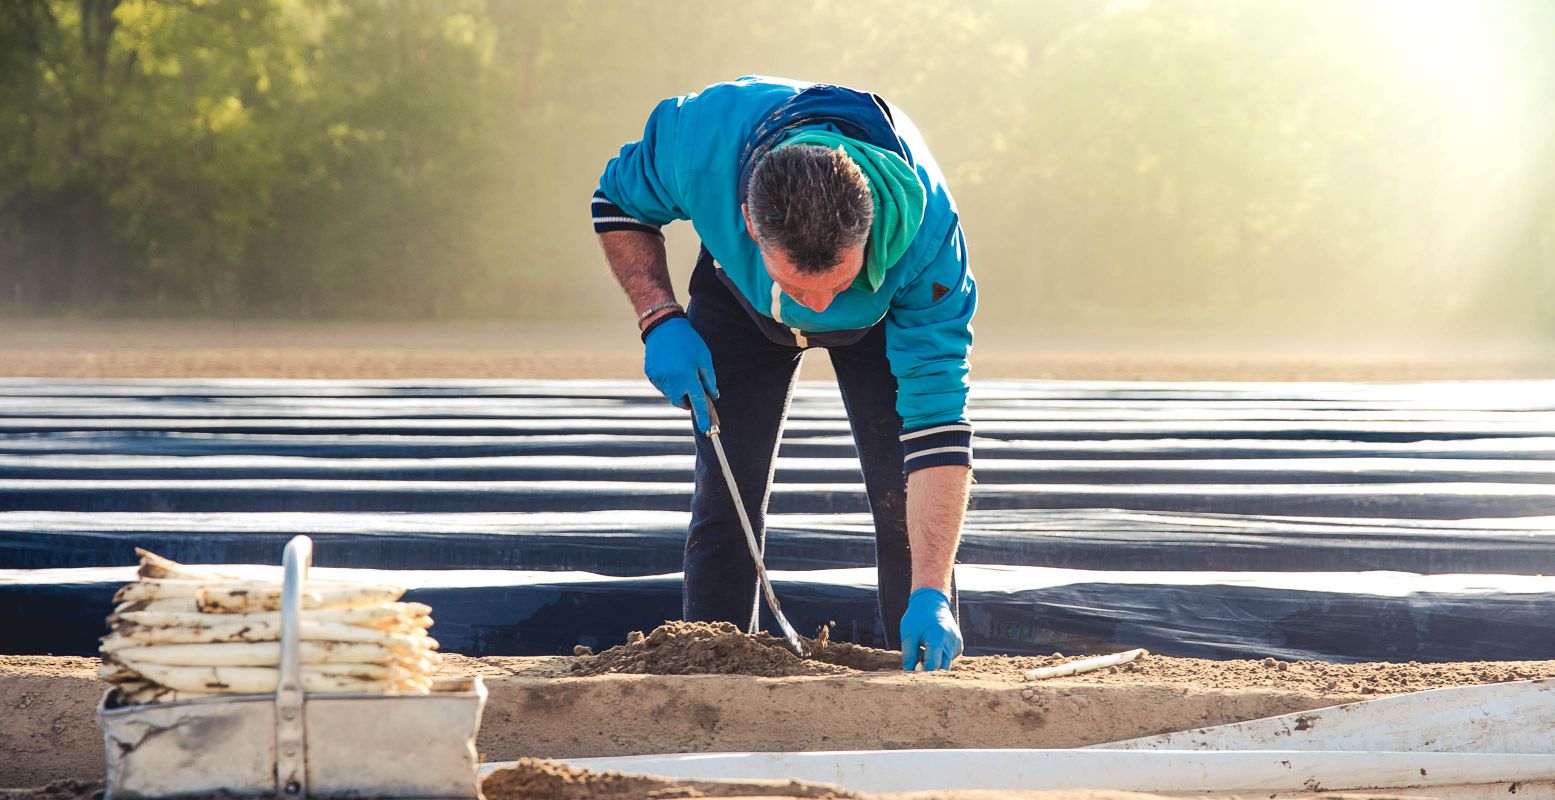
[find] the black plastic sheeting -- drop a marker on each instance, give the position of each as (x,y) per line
(172,443)
(669,469)
(1119,478)
(1382,500)
(1359,431)
(641,543)
(1023,402)
(1506,395)
(1087,613)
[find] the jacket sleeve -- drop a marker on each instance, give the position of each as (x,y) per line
(640,188)
(928,342)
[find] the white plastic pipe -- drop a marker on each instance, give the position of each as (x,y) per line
(1124,770)
(1516,717)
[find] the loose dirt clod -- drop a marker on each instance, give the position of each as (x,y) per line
(720,648)
(538,779)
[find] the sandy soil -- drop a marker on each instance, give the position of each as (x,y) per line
(63,348)
(539,707)
(701,648)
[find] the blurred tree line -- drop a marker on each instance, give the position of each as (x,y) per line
(1195,162)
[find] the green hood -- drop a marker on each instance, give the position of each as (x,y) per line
(899,201)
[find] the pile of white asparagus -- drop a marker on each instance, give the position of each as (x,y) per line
(182,632)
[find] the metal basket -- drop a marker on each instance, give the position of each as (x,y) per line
(291,745)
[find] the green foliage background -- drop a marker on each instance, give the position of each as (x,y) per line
(1222,164)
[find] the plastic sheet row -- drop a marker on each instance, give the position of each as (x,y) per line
(1505,395)
(1328,616)
(647,543)
(1376,500)
(444,446)
(841,468)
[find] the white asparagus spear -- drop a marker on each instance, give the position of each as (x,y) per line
(136,671)
(388,614)
(133,621)
(140,692)
(399,650)
(421,661)
(366,672)
(311,603)
(257,654)
(1084,665)
(155,566)
(145,589)
(114,672)
(328,591)
(160,694)
(250,680)
(129,635)
(355,671)
(163,588)
(172,604)
(147,693)
(268,598)
(190,606)
(128,669)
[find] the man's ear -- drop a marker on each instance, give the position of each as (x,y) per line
(749,228)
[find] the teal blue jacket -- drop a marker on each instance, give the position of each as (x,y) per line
(688,166)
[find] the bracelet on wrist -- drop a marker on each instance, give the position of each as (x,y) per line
(675,314)
(657,315)
(656,307)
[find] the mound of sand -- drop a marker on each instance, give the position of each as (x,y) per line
(720,648)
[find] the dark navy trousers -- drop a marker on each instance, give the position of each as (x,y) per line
(755,380)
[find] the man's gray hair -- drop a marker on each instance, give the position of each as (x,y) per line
(811,203)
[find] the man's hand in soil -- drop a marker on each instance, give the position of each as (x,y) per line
(929,631)
(679,365)
(936,500)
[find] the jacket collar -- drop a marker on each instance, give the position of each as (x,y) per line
(857,115)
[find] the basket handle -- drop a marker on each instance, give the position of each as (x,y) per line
(291,767)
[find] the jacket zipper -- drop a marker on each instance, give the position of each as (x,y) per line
(777,314)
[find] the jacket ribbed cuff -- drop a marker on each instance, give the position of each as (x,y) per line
(610,217)
(937,445)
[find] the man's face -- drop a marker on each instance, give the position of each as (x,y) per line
(814,291)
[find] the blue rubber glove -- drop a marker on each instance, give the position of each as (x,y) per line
(679,365)
(928,623)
